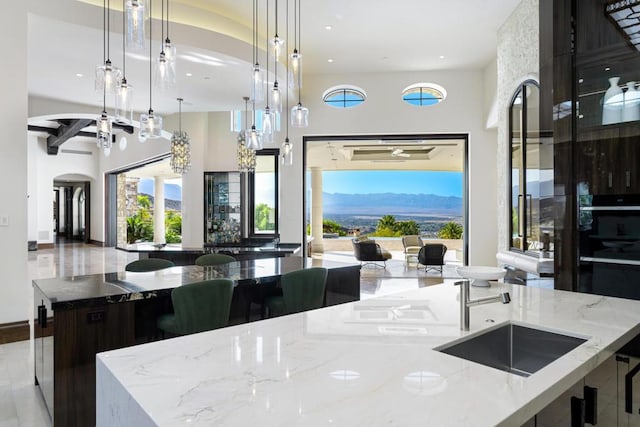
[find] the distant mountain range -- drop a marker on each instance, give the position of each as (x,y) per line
(390,203)
(174,205)
(171,191)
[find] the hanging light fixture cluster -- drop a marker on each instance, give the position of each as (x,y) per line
(180,161)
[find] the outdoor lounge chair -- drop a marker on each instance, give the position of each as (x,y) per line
(369,252)
(432,256)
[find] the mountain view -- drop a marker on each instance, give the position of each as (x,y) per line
(171,191)
(362,211)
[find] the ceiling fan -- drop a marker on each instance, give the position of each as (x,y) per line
(399,152)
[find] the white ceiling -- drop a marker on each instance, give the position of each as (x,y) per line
(65,38)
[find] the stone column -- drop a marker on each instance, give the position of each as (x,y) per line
(316,210)
(158,210)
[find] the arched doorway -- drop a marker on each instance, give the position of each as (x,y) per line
(71,211)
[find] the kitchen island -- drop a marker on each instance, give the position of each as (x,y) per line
(371,362)
(77,317)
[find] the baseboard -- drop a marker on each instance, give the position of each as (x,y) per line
(96,242)
(15,331)
(46,245)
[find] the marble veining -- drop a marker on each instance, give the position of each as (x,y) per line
(370,362)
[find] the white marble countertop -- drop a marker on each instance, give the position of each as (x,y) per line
(366,363)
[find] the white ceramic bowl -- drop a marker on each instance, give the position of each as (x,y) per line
(481,274)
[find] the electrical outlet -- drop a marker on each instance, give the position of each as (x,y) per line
(4,221)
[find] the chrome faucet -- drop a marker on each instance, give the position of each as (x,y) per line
(465,302)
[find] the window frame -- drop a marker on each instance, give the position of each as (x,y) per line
(251,187)
(424,87)
(344,89)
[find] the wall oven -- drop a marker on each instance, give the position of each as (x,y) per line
(609,245)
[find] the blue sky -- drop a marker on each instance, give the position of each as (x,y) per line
(409,182)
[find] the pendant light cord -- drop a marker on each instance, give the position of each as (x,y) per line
(150,50)
(168,38)
(162,28)
(266,77)
(108,30)
(275,58)
(299,41)
(104,31)
(286,93)
(180,116)
(124,60)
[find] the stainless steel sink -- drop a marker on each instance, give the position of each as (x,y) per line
(515,348)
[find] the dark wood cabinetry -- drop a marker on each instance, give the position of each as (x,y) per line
(607,161)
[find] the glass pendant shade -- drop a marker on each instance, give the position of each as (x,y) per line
(107,77)
(267,126)
(257,83)
(150,126)
(299,116)
(295,69)
(276,45)
(169,50)
(103,131)
(253,139)
(165,72)
(180,161)
(124,109)
(276,98)
(287,153)
(107,151)
(136,13)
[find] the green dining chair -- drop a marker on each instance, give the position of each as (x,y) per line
(149,264)
(198,307)
(301,290)
(214,259)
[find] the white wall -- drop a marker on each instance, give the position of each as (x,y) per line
(69,166)
(15,290)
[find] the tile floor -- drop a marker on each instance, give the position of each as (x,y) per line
(20,402)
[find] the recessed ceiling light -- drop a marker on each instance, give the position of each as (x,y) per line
(328,27)
(441,56)
(188,74)
(329,60)
(207,77)
(608,69)
(79,75)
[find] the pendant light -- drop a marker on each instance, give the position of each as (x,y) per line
(257,75)
(299,113)
(124,91)
(277,44)
(180,147)
(246,156)
(107,76)
(267,114)
(103,122)
(150,124)
(165,69)
(169,48)
(253,137)
(295,68)
(136,13)
(287,148)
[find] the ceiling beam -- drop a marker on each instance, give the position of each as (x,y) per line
(64,132)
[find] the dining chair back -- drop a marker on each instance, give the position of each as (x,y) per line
(198,307)
(302,290)
(149,264)
(214,259)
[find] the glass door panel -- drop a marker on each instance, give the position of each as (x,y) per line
(517,227)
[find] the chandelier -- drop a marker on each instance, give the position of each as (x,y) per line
(136,13)
(299,113)
(107,76)
(124,91)
(246,156)
(180,147)
(166,64)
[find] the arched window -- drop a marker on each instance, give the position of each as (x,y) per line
(424,94)
(344,96)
